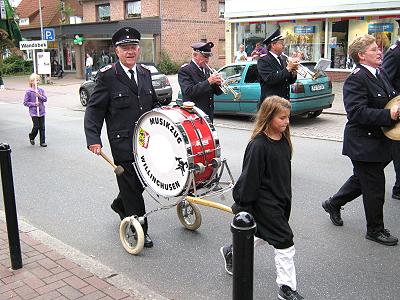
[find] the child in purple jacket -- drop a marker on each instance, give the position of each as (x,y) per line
(34,99)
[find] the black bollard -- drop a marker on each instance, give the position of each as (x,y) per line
(243,229)
(9,206)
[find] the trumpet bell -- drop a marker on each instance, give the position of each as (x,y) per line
(392,132)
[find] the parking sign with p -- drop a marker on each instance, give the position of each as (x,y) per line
(49,34)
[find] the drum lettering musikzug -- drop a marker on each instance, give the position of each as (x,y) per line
(169,143)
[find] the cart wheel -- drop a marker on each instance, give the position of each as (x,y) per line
(189,215)
(131,235)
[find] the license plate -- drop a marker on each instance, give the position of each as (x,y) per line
(317,87)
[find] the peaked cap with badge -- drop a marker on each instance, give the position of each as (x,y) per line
(126,36)
(203,48)
(274,35)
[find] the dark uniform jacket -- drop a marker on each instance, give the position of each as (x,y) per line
(196,88)
(365,97)
(116,100)
(274,78)
(391,65)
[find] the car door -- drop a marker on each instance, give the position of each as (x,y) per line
(250,90)
(226,102)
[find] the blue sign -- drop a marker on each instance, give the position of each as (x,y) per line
(304,29)
(49,34)
(380,27)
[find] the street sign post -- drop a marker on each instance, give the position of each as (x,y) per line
(49,34)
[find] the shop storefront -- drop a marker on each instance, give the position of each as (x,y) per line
(320,34)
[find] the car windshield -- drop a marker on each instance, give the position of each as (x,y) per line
(231,71)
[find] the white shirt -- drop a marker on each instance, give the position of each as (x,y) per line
(89,62)
(276,56)
(126,69)
(201,69)
(371,69)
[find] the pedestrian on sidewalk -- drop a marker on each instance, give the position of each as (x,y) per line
(1,82)
(264,190)
(391,65)
(89,66)
(34,99)
(366,91)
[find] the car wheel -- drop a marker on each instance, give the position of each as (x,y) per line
(165,101)
(314,114)
(84,97)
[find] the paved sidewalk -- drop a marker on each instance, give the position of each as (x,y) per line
(47,274)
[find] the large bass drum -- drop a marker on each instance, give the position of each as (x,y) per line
(176,149)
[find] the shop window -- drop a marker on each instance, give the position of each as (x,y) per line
(221,9)
(338,43)
(103,12)
(203,5)
(221,48)
(133,9)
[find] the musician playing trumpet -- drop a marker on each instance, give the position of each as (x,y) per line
(276,73)
(198,82)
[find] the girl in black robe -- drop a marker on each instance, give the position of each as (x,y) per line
(264,190)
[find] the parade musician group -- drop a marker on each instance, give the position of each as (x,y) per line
(124,92)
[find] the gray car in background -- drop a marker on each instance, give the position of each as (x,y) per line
(160,83)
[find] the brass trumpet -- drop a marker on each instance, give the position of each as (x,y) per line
(225,85)
(303,70)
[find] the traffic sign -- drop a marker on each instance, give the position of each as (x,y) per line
(49,34)
(29,45)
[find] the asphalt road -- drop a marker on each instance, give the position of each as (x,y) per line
(66,191)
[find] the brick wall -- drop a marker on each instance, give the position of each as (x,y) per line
(182,25)
(338,75)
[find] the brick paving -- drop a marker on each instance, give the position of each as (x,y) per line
(49,275)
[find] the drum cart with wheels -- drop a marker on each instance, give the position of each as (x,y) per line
(177,158)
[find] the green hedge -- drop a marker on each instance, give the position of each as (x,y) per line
(15,65)
(166,65)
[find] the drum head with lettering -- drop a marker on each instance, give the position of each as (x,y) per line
(161,155)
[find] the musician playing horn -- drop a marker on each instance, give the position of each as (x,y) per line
(365,93)
(198,84)
(274,72)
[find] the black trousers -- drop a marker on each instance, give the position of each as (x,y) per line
(38,126)
(368,180)
(396,163)
(130,192)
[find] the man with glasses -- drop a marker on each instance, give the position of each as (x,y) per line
(123,92)
(274,72)
(198,84)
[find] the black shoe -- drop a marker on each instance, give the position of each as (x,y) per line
(226,252)
(43,145)
(217,188)
(382,237)
(286,293)
(31,140)
(117,207)
(396,196)
(148,243)
(334,213)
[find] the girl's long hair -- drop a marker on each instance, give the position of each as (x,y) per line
(270,107)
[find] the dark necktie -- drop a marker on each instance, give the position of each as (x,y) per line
(280,61)
(133,78)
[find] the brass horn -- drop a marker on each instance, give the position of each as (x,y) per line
(225,84)
(392,132)
(303,70)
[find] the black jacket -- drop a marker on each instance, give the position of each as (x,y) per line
(274,78)
(116,100)
(196,88)
(391,65)
(364,98)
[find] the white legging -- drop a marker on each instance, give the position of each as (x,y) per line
(285,270)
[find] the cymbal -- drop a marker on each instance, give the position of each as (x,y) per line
(392,132)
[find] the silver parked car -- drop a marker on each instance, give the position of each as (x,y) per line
(160,83)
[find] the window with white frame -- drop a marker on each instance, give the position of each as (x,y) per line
(133,9)
(203,5)
(103,12)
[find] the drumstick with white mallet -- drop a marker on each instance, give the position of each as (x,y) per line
(118,170)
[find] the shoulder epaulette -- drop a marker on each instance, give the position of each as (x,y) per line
(262,55)
(184,65)
(355,71)
(105,68)
(393,46)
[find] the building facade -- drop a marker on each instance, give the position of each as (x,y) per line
(169,26)
(317,29)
